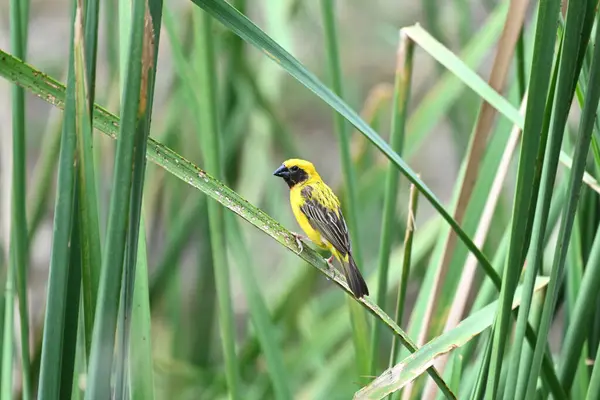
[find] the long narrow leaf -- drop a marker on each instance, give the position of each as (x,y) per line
(594,389)
(68,373)
(19,259)
(359,323)
(211,151)
(50,375)
(6,380)
(86,181)
(134,112)
(406,261)
(140,352)
(404,67)
(151,39)
(580,318)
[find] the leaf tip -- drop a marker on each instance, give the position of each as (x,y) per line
(148,49)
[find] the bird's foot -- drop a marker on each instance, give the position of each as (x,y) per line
(330,266)
(299,238)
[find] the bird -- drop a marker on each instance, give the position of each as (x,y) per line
(319,214)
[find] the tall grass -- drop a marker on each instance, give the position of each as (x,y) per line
(156,290)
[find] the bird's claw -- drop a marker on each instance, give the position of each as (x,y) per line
(298,242)
(330,266)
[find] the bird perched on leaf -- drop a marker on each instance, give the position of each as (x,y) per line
(318,213)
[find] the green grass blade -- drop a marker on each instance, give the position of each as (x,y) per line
(261,320)
(134,112)
(572,288)
(7,335)
(455,367)
(174,299)
(594,388)
(404,66)
(211,149)
(92,9)
(151,38)
(406,261)
(527,353)
(53,92)
(68,374)
(206,309)
(123,326)
(408,369)
(111,46)
(586,126)
(576,332)
(140,351)
(526,176)
(19,246)
(86,180)
(76,392)
(124,45)
(243,27)
(521,63)
(55,318)
(484,368)
(357,316)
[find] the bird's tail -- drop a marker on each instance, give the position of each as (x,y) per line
(354,278)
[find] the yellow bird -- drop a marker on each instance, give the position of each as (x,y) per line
(318,213)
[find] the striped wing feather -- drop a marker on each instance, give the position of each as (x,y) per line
(328,222)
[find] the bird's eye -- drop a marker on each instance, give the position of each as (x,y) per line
(294,168)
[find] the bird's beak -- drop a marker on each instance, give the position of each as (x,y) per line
(282,171)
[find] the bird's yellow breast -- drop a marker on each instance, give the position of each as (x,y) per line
(324,195)
(297,201)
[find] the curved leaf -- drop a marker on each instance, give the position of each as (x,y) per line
(412,366)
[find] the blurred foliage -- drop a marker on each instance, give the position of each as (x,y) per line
(137,260)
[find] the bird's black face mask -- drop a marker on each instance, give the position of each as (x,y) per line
(292,175)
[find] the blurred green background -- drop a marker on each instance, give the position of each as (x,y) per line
(265,116)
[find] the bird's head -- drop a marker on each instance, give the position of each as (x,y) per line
(294,171)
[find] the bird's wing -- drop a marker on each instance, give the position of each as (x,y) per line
(329,222)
